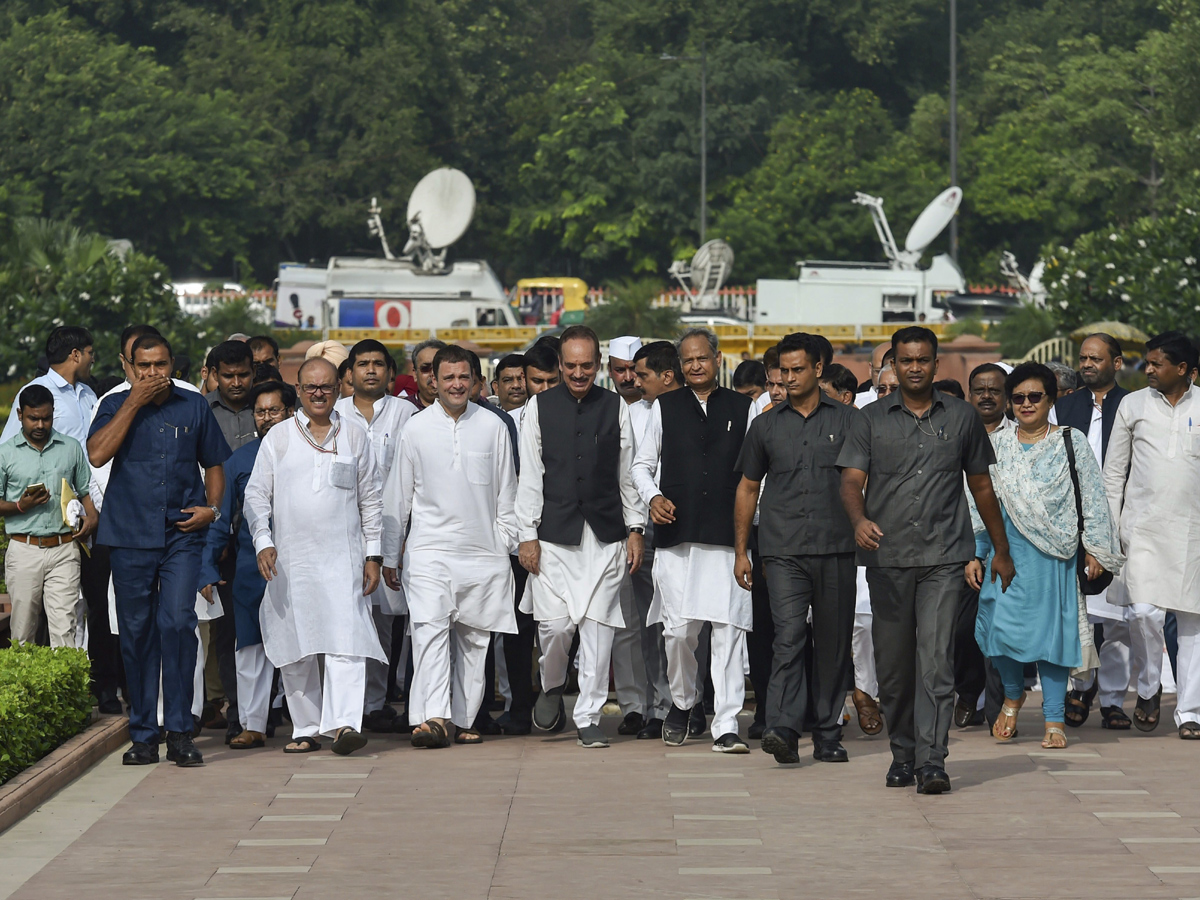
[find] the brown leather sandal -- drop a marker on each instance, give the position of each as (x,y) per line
(248,740)
(869,718)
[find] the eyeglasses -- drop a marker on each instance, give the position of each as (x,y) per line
(884,389)
(425,368)
(272,412)
(313,389)
(1034,397)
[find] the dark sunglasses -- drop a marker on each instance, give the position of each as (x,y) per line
(1034,397)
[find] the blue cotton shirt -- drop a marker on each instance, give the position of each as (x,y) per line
(72,408)
(156,471)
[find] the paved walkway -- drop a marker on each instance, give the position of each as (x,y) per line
(1117,815)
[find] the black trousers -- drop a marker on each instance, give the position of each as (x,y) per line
(973,672)
(826,585)
(915,610)
(518,654)
(104,647)
(761,638)
(224,638)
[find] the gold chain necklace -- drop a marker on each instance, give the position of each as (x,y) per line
(1045,431)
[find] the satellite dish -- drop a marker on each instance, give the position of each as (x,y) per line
(442,204)
(935,217)
(711,267)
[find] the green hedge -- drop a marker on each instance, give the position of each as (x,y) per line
(44,700)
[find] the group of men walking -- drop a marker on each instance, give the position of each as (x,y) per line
(650,529)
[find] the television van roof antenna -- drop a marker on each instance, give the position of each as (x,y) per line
(929,224)
(440,209)
(708,271)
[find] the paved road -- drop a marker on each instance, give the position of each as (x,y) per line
(1115,816)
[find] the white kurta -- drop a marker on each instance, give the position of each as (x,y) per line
(322,511)
(582,581)
(454,485)
(386,425)
(1154,509)
(691,581)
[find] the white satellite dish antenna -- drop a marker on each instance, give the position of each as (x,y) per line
(440,209)
(708,271)
(935,217)
(442,203)
(932,220)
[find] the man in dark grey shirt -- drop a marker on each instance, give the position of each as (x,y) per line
(914,536)
(807,546)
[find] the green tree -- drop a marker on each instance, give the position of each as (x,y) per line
(629,309)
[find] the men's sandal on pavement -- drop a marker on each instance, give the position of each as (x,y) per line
(591,737)
(248,740)
(1114,718)
(1146,713)
(1188,731)
(347,740)
(430,735)
(730,743)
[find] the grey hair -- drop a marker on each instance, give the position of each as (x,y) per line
(425,345)
(1065,375)
(713,343)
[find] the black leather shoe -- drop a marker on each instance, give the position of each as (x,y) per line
(900,775)
(631,724)
(234,729)
(675,728)
(140,755)
(485,724)
(514,726)
(783,744)
(932,780)
(652,730)
(697,723)
(756,729)
(181,750)
(108,704)
(380,721)
(830,751)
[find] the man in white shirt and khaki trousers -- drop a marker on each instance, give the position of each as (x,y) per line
(453,486)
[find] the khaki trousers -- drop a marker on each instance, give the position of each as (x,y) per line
(43,579)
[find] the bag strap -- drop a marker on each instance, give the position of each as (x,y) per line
(1070,446)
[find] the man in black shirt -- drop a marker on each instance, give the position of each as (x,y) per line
(807,546)
(914,536)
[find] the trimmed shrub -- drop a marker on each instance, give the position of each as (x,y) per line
(44,700)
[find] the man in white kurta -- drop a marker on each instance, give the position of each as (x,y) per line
(692,442)
(315,509)
(1152,477)
(383,417)
(581,527)
(455,483)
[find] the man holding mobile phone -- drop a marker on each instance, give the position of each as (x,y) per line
(41,566)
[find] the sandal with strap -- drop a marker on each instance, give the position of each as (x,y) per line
(467,736)
(430,735)
(248,740)
(1009,711)
(1189,731)
(1079,704)
(869,718)
(1053,731)
(304,744)
(1146,713)
(1114,718)
(347,740)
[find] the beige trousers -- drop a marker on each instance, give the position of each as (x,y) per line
(43,579)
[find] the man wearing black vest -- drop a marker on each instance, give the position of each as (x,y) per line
(581,523)
(693,440)
(1092,411)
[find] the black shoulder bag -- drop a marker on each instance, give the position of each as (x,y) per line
(1090,586)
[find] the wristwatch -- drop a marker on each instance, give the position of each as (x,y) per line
(216,513)
(375,559)
(637,529)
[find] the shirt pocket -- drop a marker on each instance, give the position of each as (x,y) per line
(343,473)
(479,468)
(946,454)
(829,447)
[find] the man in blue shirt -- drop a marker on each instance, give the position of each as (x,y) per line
(272,403)
(155,515)
(69,351)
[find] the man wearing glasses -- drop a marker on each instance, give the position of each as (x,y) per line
(156,511)
(272,403)
(315,511)
(422,370)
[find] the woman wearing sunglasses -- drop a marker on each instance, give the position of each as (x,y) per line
(1042,617)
